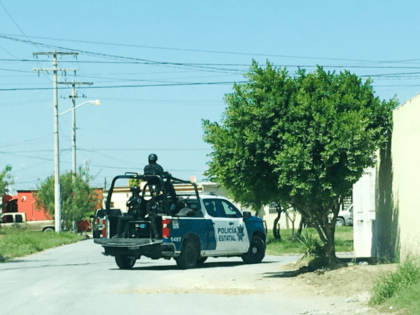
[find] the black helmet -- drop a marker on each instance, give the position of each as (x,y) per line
(152,158)
(135,190)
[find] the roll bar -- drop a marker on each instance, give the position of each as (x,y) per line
(148,178)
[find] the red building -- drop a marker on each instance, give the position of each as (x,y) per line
(24,201)
(9,203)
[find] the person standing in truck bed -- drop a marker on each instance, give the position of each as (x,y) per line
(153,168)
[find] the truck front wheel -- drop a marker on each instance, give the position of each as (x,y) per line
(189,255)
(256,251)
(125,262)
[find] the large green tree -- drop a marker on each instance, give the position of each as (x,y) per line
(303,140)
(78,199)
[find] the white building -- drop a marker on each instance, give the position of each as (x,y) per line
(386,202)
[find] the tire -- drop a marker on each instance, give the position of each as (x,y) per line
(48,230)
(189,254)
(201,260)
(340,222)
(125,262)
(256,251)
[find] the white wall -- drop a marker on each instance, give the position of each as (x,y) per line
(364,213)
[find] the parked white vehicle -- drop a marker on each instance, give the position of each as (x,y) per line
(18,220)
(345,217)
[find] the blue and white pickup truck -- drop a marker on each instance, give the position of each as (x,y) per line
(186,226)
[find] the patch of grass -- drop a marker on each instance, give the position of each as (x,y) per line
(290,245)
(407,301)
(392,284)
(21,242)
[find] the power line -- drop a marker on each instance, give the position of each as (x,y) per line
(210,65)
(7,52)
(153,149)
(25,141)
(217,51)
(14,70)
(16,23)
(186,65)
(125,167)
(110,157)
(130,86)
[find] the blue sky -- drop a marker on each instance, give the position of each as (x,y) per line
(210,42)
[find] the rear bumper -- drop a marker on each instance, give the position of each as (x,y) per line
(126,242)
(136,247)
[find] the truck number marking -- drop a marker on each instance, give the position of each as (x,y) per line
(176,239)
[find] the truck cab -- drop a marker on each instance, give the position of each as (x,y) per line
(15,219)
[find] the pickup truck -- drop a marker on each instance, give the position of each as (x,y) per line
(190,226)
(18,219)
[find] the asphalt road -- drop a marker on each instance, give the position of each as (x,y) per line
(78,279)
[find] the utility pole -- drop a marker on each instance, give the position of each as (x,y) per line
(55,69)
(73,96)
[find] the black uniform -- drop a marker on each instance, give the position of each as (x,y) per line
(134,212)
(156,203)
(152,208)
(153,168)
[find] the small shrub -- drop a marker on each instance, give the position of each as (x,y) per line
(312,245)
(390,283)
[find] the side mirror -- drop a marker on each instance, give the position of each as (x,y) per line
(246,215)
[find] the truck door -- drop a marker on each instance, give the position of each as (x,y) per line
(235,217)
(7,219)
(230,232)
(19,222)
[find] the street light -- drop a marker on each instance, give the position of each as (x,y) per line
(73,147)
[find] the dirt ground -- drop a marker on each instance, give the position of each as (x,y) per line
(353,281)
(341,291)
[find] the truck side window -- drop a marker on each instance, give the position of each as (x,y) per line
(230,210)
(18,218)
(8,219)
(212,208)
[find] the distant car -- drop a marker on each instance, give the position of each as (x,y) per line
(18,220)
(345,217)
(99,222)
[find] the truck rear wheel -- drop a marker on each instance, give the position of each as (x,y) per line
(256,251)
(201,260)
(125,262)
(189,255)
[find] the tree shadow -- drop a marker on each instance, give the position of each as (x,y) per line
(385,230)
(207,265)
(285,274)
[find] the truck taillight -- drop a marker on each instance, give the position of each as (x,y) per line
(103,232)
(166,232)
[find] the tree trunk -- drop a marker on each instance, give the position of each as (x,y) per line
(301,224)
(276,231)
(330,247)
(326,231)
